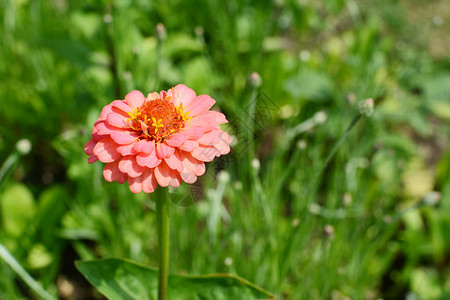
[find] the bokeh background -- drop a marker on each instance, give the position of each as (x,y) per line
(371,222)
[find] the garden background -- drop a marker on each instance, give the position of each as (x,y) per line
(370,222)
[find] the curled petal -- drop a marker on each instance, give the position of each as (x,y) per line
(135,184)
(162,174)
(148,160)
(135,98)
(117,120)
(176,140)
(89,148)
(193,133)
(210,138)
(123,106)
(188,146)
(129,165)
(106,151)
(205,120)
(126,149)
(104,128)
(105,111)
(124,137)
(144,146)
(149,183)
(200,104)
(111,171)
(205,153)
(92,159)
(153,96)
(122,178)
(182,94)
(175,181)
(163,150)
(174,162)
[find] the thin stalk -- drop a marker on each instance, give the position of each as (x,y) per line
(163,220)
(32,284)
(294,234)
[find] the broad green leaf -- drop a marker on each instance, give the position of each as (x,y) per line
(18,207)
(119,279)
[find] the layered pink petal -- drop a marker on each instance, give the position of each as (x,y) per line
(176,140)
(124,137)
(122,178)
(224,143)
(193,133)
(152,96)
(126,149)
(182,94)
(129,165)
(111,171)
(148,160)
(210,138)
(132,154)
(200,104)
(135,98)
(104,128)
(144,146)
(162,174)
(176,180)
(163,150)
(220,117)
(135,184)
(205,153)
(106,151)
(105,111)
(92,159)
(123,106)
(205,120)
(89,148)
(191,167)
(149,183)
(174,162)
(188,146)
(117,120)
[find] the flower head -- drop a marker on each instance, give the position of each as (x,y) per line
(162,139)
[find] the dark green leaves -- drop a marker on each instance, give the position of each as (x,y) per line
(119,279)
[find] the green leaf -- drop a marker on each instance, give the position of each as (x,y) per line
(124,279)
(18,207)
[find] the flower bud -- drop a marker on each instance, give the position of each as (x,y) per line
(365,107)
(255,80)
(23,146)
(160,32)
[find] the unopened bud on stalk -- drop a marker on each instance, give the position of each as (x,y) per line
(199,31)
(228,261)
(256,165)
(431,198)
(255,80)
(365,107)
(320,117)
(347,199)
(160,32)
(224,176)
(107,18)
(23,146)
(328,230)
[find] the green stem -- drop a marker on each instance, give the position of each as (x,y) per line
(163,220)
(14,264)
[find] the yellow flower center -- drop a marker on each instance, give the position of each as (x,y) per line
(157,119)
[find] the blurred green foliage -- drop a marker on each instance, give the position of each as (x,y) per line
(367,226)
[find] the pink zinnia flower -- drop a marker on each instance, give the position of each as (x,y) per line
(159,140)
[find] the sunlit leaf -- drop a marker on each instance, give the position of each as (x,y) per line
(122,279)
